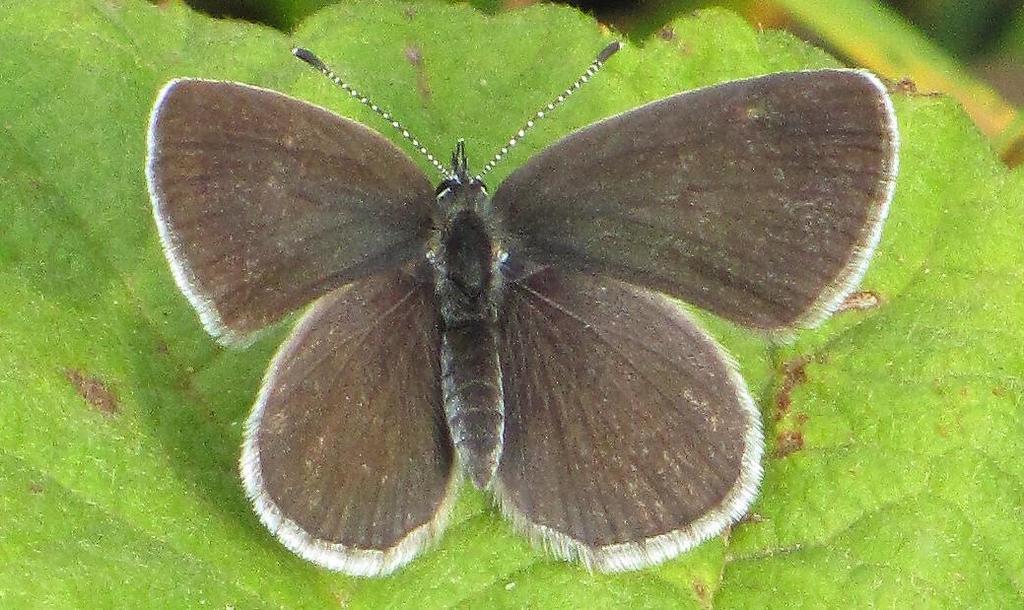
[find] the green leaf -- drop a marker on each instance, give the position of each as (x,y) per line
(878,37)
(893,474)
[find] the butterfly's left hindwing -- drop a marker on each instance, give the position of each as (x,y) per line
(347,456)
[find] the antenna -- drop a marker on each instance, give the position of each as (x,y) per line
(596,65)
(307,56)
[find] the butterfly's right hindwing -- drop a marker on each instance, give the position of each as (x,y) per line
(629,436)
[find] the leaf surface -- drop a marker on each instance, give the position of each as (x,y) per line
(892,476)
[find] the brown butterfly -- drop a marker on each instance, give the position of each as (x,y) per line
(525,339)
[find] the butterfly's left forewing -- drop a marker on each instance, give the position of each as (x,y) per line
(621,448)
(265,202)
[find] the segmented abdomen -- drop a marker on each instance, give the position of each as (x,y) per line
(473,399)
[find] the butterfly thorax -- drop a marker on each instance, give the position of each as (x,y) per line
(465,255)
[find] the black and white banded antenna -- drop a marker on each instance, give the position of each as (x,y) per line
(307,56)
(596,65)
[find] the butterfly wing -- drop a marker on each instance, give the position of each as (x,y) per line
(265,202)
(629,437)
(347,456)
(760,200)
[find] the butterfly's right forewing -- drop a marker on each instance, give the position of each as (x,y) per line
(760,200)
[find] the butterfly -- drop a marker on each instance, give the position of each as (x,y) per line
(528,340)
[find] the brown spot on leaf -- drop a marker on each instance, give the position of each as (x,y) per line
(751,517)
(905,85)
(414,55)
(1014,154)
(946,429)
(999,391)
(342,597)
(909,87)
(35,488)
(93,390)
(793,374)
(409,12)
(860,301)
(700,589)
(667,33)
(787,442)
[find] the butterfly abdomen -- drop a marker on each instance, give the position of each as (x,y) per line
(473,400)
(471,373)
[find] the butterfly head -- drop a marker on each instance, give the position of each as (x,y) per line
(460,164)
(460,190)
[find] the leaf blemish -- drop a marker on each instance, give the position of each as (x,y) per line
(909,87)
(794,373)
(787,442)
(905,85)
(751,517)
(93,390)
(701,590)
(667,33)
(35,488)
(414,56)
(860,301)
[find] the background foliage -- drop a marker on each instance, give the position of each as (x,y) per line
(973,51)
(893,471)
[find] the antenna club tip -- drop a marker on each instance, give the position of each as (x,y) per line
(307,56)
(608,51)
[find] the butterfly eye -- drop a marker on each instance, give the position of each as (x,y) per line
(446,184)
